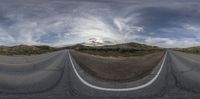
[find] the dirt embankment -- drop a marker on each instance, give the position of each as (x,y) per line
(117,69)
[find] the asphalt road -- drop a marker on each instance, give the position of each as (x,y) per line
(52,76)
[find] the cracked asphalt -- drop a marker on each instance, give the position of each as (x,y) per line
(50,76)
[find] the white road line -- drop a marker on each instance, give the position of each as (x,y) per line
(117,89)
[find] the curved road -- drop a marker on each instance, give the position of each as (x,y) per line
(54,76)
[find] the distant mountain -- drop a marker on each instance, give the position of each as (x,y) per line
(96,42)
(92,44)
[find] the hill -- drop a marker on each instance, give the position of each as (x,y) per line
(125,49)
(194,50)
(25,50)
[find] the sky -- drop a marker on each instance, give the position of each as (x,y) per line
(164,23)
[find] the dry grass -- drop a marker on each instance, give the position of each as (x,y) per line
(117,69)
(192,50)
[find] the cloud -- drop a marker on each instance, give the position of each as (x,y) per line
(61,22)
(167,42)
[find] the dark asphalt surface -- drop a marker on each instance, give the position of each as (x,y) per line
(51,76)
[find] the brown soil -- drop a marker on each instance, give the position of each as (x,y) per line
(117,69)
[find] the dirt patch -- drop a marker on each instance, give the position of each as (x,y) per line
(117,69)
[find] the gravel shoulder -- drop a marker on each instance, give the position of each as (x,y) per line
(117,68)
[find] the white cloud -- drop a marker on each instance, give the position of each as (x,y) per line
(170,42)
(192,29)
(94,27)
(5,38)
(62,23)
